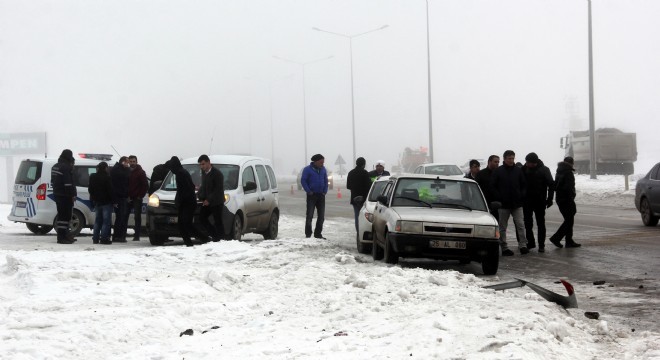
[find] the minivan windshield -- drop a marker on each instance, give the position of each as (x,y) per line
(29,172)
(229,172)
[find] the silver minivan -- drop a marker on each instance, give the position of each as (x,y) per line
(251,199)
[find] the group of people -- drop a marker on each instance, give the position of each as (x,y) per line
(525,191)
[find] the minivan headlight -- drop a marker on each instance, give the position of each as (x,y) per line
(489,232)
(415,227)
(226,198)
(154,201)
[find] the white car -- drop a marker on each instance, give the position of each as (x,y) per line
(33,202)
(442,169)
(436,217)
(364,236)
(251,199)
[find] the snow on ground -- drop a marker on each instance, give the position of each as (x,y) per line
(290,298)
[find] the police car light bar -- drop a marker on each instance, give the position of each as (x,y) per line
(104,157)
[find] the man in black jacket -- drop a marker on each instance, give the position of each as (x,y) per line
(565,188)
(185,200)
(359,183)
(212,195)
(540,191)
(119,176)
(100,193)
(509,187)
(483,179)
(64,190)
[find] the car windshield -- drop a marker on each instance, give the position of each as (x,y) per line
(229,172)
(445,170)
(438,193)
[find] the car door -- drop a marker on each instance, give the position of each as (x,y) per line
(81,174)
(251,199)
(266,200)
(380,214)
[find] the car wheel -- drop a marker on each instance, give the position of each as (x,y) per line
(236,228)
(271,232)
(391,256)
(490,263)
(76,224)
(647,216)
(362,248)
(39,229)
(157,240)
(376,250)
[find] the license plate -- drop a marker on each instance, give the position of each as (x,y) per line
(21,204)
(172,220)
(447,244)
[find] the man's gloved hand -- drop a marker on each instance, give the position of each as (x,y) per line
(548,203)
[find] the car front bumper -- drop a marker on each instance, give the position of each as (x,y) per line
(412,245)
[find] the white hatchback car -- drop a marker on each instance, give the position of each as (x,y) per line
(364,235)
(251,199)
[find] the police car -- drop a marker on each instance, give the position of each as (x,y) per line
(33,202)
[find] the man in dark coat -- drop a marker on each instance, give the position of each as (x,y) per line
(212,194)
(359,183)
(314,180)
(483,179)
(565,189)
(157,174)
(137,188)
(540,192)
(475,166)
(185,200)
(100,193)
(64,191)
(119,175)
(509,187)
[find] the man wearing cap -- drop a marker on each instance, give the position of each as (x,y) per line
(359,183)
(565,188)
(379,171)
(475,166)
(314,181)
(64,191)
(540,191)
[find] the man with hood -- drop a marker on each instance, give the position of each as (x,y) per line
(158,173)
(119,175)
(509,187)
(379,171)
(565,189)
(64,191)
(137,188)
(314,181)
(540,191)
(359,183)
(185,199)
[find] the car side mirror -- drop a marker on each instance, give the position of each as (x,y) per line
(249,186)
(382,199)
(495,205)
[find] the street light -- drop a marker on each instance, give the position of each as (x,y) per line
(350,43)
(428,65)
(302,66)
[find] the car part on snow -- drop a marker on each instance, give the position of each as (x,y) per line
(567,302)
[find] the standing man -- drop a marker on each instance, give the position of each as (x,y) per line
(137,188)
(100,193)
(540,191)
(475,166)
(565,188)
(212,195)
(509,186)
(120,174)
(158,173)
(483,179)
(314,181)
(359,183)
(65,193)
(185,200)
(379,171)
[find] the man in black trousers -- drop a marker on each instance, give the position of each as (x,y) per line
(565,197)
(212,195)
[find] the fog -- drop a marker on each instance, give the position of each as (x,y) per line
(162,78)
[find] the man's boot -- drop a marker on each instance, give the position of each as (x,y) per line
(572,244)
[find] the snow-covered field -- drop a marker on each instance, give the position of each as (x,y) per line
(291,298)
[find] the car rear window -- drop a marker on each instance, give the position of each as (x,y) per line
(29,172)
(263,178)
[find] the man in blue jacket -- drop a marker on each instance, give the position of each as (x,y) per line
(314,181)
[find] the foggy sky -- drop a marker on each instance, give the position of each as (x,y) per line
(162,78)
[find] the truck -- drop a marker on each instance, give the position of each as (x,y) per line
(410,159)
(616,151)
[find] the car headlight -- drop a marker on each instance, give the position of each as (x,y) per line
(154,201)
(226,198)
(416,227)
(485,231)
(369,217)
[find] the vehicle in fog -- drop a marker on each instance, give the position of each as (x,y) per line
(443,169)
(615,150)
(647,196)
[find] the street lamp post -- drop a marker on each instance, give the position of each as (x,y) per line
(592,137)
(428,65)
(302,66)
(350,45)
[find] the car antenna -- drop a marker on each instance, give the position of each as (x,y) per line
(211,144)
(113,148)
